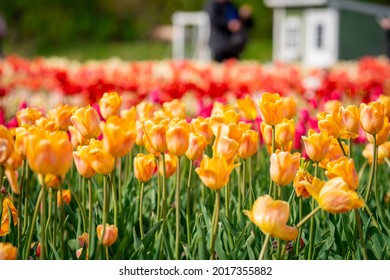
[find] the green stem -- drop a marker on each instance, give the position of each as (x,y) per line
(163,208)
(158,192)
(227,200)
(188,208)
(264,247)
(350,148)
(251,192)
(308,216)
(55,219)
(141,199)
(113,194)
(90,213)
(120,182)
(312,222)
(43,223)
(372,171)
(360,231)
(298,243)
(62,220)
(272,188)
(177,206)
(342,147)
(34,218)
(215,223)
(26,194)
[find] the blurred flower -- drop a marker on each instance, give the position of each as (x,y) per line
(317,145)
(8,211)
(330,123)
(385,99)
(47,123)
(247,107)
(248,144)
(86,121)
(50,180)
(350,117)
(335,195)
(214,172)
(170,165)
(177,137)
(284,166)
(301,176)
(61,114)
(383,152)
(100,159)
(176,108)
(200,126)
(289,107)
(144,167)
(271,108)
(284,132)
(145,110)
(372,117)
(110,104)
(332,106)
(383,134)
(197,145)
(28,116)
(66,197)
(271,217)
(110,234)
(6,145)
(7,251)
(345,168)
(139,140)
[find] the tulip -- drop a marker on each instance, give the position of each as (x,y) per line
(271,217)
(110,234)
(49,153)
(383,152)
(335,152)
(49,180)
(6,145)
(335,195)
(118,136)
(284,132)
(83,240)
(383,134)
(86,121)
(344,168)
(332,106)
(301,176)
(317,145)
(139,140)
(8,211)
(82,161)
(66,197)
(284,167)
(271,108)
(221,108)
(247,107)
(100,159)
(289,107)
(350,118)
(7,251)
(10,173)
(385,100)
(178,137)
(176,108)
(144,167)
(214,172)
(372,117)
(47,123)
(200,126)
(330,123)
(62,114)
(171,162)
(266,132)
(76,138)
(145,110)
(197,145)
(28,116)
(110,104)
(155,136)
(248,144)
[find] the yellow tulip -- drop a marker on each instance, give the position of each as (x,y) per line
(82,161)
(302,176)
(383,134)
(317,145)
(76,138)
(332,106)
(100,159)
(197,145)
(383,152)
(10,173)
(7,251)
(350,117)
(221,108)
(344,168)
(61,114)
(66,197)
(266,132)
(200,126)
(248,144)
(139,140)
(214,172)
(28,116)
(284,166)
(385,99)
(118,136)
(155,136)
(335,152)
(170,165)
(86,120)
(6,145)
(8,211)
(178,137)
(271,217)
(49,153)
(335,195)
(110,234)
(271,108)
(47,123)
(110,104)
(284,132)
(372,117)
(144,167)
(50,180)
(330,123)
(247,107)
(145,110)
(176,108)
(289,107)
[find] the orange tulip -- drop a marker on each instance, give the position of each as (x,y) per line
(110,104)
(383,134)
(86,120)
(372,117)
(10,173)
(335,195)
(176,108)
(28,116)
(283,167)
(197,145)
(83,164)
(118,136)
(6,145)
(383,152)
(221,108)
(8,211)
(100,159)
(248,144)
(284,132)
(228,121)
(110,234)
(317,145)
(170,165)
(247,107)
(144,166)
(139,140)
(178,137)
(335,152)
(76,138)
(330,123)
(266,132)
(61,114)
(47,123)
(7,251)
(332,106)
(350,118)
(344,168)
(66,197)
(145,110)
(200,126)
(271,217)
(83,240)
(271,108)
(155,136)
(50,180)
(214,172)
(289,107)
(385,99)
(49,153)
(302,176)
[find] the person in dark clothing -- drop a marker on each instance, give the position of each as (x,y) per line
(229,28)
(385,24)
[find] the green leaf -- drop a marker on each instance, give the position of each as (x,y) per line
(149,236)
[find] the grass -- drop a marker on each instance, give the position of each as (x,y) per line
(257,49)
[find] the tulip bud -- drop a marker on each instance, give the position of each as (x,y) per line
(110,234)
(110,104)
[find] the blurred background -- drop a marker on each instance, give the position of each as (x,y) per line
(100,29)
